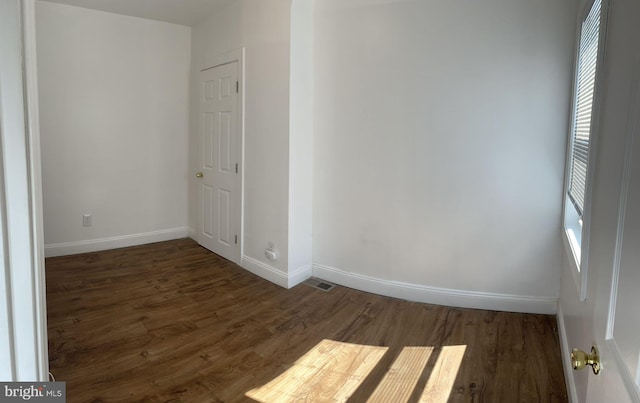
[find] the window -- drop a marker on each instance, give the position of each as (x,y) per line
(583,122)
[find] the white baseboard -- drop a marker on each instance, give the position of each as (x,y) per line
(274,275)
(299,275)
(192,233)
(439,296)
(94,245)
(265,271)
(566,358)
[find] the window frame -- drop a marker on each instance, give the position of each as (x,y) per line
(576,228)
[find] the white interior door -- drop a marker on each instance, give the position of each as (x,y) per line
(617,296)
(617,332)
(219,175)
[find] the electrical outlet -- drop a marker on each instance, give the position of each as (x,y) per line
(270,252)
(86,220)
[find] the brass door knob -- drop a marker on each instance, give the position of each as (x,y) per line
(199,175)
(580,359)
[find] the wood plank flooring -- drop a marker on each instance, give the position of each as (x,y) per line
(173,322)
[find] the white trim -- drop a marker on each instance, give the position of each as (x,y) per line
(23,331)
(299,275)
(568,151)
(35,183)
(192,233)
(265,271)
(439,296)
(573,265)
(240,56)
(565,350)
(593,143)
(123,241)
(275,275)
(236,55)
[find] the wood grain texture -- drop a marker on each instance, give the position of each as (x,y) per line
(443,375)
(329,372)
(173,322)
(401,378)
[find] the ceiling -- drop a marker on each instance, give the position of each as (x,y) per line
(183,12)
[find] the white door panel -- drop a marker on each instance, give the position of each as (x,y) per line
(616,317)
(620,348)
(625,321)
(219,221)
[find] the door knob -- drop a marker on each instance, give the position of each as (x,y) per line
(199,175)
(580,359)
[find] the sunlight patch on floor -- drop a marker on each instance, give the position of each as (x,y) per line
(329,372)
(332,371)
(444,374)
(400,380)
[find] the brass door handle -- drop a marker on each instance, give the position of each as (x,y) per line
(199,175)
(580,359)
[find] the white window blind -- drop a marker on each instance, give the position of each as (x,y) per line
(583,108)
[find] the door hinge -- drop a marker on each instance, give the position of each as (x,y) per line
(237,86)
(236,239)
(236,167)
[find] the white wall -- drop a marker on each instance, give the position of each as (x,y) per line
(262,28)
(114,114)
(433,135)
(301,141)
(440,130)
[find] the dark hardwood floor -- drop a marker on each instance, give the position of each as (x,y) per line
(173,322)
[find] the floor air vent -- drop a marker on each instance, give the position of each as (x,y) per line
(319,284)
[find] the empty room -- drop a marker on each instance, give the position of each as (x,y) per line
(321,200)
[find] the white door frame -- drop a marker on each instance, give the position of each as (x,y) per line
(209,63)
(23,330)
